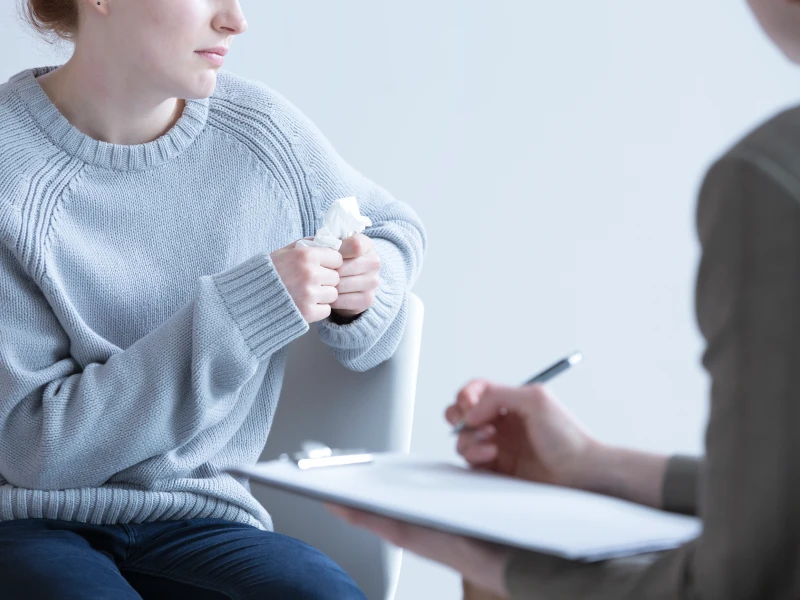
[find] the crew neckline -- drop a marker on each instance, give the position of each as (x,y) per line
(117,157)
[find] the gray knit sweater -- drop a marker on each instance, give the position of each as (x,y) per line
(143,327)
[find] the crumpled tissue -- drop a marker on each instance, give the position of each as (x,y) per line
(342,221)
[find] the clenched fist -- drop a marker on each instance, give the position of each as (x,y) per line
(359,276)
(310,276)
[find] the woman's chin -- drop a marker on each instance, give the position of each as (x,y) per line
(202,86)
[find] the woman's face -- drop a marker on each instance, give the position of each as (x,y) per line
(780,19)
(161,42)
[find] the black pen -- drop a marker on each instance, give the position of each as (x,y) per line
(543,377)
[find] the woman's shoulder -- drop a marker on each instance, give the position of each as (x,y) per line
(12,111)
(773,147)
(19,150)
(9,170)
(767,155)
(762,166)
(238,100)
(243,92)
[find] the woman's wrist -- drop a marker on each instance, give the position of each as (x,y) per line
(342,317)
(485,565)
(631,475)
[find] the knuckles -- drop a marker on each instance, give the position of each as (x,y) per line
(357,246)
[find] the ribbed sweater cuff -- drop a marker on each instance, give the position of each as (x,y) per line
(369,326)
(260,305)
(680,485)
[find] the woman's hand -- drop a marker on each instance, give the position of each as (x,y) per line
(359,276)
(524,432)
(480,563)
(310,276)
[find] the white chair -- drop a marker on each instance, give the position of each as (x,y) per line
(323,401)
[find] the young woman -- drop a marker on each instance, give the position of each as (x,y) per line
(747,487)
(150,285)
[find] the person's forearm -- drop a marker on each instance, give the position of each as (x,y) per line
(631,475)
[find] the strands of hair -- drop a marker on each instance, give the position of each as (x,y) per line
(52,18)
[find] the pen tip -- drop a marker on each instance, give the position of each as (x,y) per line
(575,358)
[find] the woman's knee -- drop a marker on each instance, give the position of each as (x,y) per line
(306,573)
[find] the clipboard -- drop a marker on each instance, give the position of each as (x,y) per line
(452,498)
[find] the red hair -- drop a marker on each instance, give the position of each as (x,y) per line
(59,17)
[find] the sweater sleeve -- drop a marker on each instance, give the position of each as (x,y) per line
(748,307)
(65,425)
(680,485)
(397,232)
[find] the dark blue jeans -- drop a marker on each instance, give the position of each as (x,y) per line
(203,559)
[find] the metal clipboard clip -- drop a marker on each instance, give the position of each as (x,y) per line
(317,454)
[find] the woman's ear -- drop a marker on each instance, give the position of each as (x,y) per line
(100,6)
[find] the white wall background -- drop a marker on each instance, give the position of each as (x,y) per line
(554,151)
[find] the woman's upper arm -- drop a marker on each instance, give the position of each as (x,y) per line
(748,307)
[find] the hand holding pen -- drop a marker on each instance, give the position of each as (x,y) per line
(539,379)
(523,431)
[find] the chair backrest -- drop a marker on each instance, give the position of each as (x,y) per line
(323,401)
